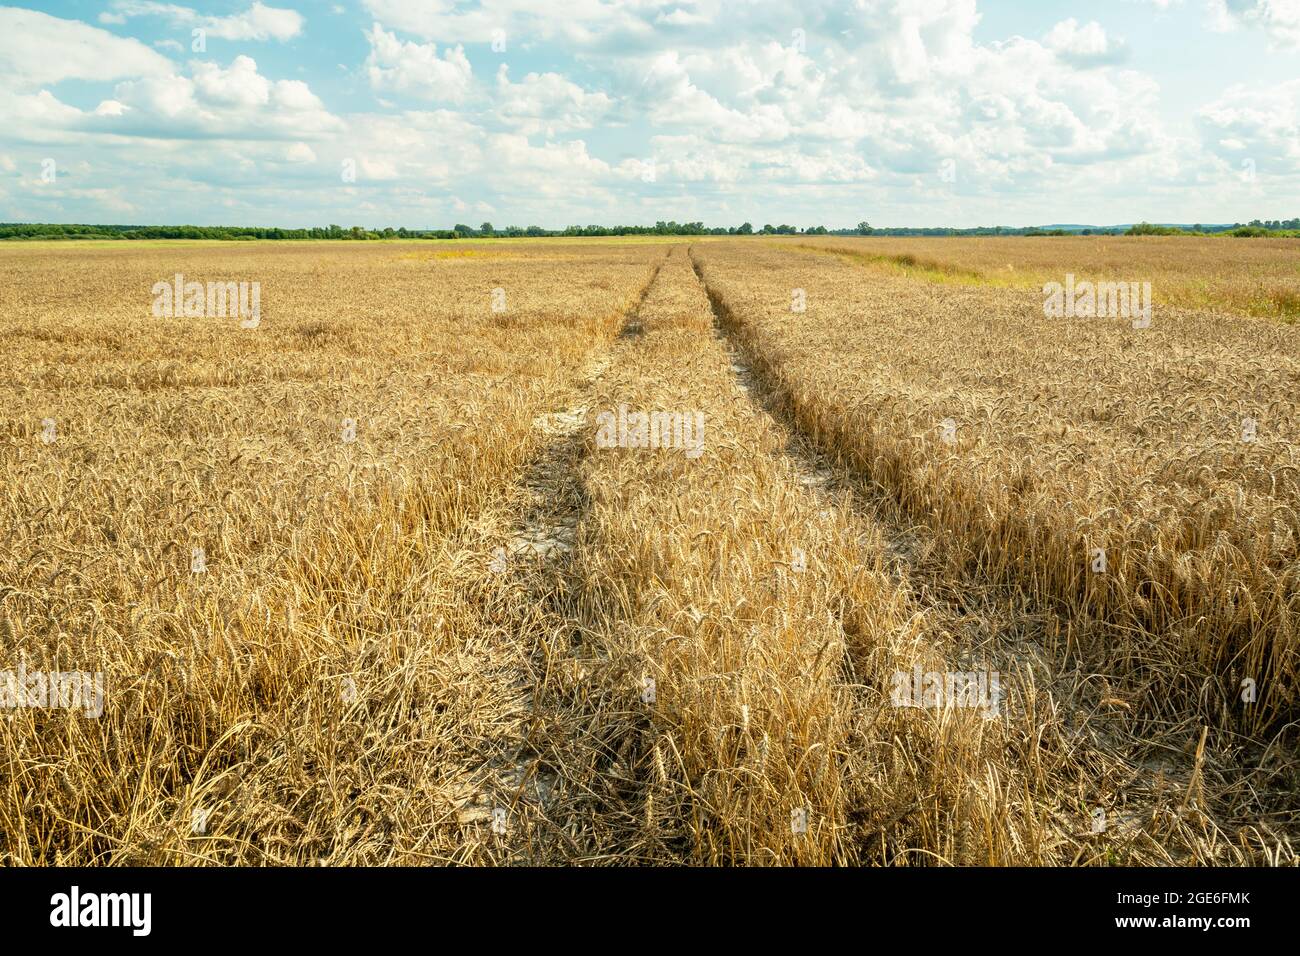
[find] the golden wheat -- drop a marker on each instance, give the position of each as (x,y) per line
(437,619)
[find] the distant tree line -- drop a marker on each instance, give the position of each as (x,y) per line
(1256,227)
(69,231)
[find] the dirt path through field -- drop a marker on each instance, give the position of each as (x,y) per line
(522,804)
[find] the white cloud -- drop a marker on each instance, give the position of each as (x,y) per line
(162,97)
(909,89)
(547,102)
(578,21)
(296,96)
(1259,124)
(673,98)
(741,122)
(258,22)
(378,168)
(218,103)
(415,68)
(240,85)
(37,117)
(1279,19)
(681,18)
(1083,45)
(110,199)
(300,153)
(37,49)
(692,158)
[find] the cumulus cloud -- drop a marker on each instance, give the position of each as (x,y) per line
(37,49)
(906,89)
(579,21)
(847,111)
(240,85)
(1255,124)
(258,22)
(217,102)
(674,99)
(1084,45)
(416,69)
(547,102)
(300,153)
(1279,19)
(680,18)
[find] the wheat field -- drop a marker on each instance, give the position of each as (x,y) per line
(1257,278)
(735,551)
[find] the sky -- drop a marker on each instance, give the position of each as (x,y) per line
(428,113)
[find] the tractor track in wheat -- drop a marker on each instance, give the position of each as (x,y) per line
(1149,777)
(545,731)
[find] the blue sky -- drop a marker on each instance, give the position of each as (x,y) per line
(425,113)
